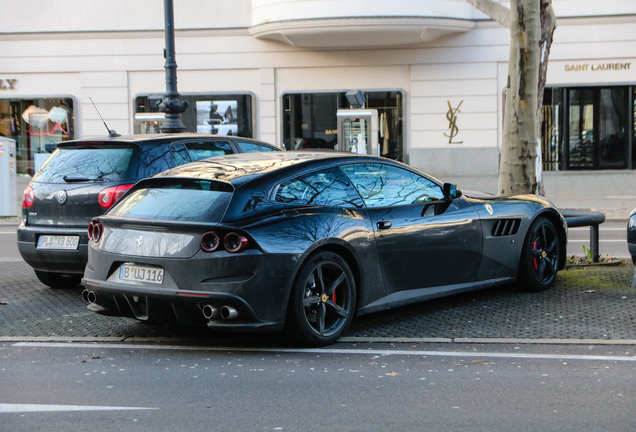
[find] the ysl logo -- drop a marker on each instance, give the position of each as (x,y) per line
(451,116)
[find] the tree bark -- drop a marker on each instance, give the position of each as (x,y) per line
(497,12)
(548,26)
(531,24)
(521,129)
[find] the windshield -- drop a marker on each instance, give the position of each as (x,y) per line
(90,163)
(180,200)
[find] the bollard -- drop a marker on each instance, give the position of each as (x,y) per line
(579,218)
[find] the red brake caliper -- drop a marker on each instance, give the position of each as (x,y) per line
(534,259)
(333,296)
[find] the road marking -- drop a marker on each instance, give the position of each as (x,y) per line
(600,228)
(22,408)
(380,352)
(601,241)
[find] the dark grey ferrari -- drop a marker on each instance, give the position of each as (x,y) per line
(303,241)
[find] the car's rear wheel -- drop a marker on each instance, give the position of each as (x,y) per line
(57,280)
(323,300)
(540,256)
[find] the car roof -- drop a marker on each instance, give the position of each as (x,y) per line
(242,167)
(157,138)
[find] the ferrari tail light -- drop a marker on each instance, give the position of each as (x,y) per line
(232,242)
(95,230)
(210,241)
(235,242)
(29,197)
(109,196)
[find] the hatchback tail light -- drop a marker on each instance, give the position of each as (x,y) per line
(109,196)
(95,230)
(29,197)
(232,242)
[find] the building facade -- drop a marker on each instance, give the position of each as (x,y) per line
(433,71)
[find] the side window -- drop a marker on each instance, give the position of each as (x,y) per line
(205,149)
(328,188)
(153,160)
(382,185)
(179,154)
(252,147)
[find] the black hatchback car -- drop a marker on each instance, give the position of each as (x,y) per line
(83,178)
(304,241)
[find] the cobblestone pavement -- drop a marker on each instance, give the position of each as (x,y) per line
(591,303)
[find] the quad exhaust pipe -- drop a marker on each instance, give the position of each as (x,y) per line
(225,312)
(210,312)
(229,313)
(89,296)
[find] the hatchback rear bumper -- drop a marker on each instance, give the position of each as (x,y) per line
(53,260)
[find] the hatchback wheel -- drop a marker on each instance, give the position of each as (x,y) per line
(323,300)
(57,280)
(540,256)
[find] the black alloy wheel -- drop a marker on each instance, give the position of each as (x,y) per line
(323,300)
(540,256)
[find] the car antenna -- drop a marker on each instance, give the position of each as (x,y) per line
(111,132)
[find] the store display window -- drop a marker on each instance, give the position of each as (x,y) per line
(310,120)
(218,114)
(588,128)
(36,125)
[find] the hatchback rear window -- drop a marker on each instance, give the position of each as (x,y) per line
(90,163)
(177,200)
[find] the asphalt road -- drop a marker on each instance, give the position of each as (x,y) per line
(494,360)
(612,240)
(403,387)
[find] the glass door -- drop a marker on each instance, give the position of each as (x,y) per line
(581,129)
(598,128)
(612,125)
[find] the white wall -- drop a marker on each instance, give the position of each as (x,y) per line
(119,15)
(77,52)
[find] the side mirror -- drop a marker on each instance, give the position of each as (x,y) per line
(451,191)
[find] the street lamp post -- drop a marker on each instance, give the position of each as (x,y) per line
(171,104)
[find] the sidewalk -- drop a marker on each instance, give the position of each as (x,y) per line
(610,192)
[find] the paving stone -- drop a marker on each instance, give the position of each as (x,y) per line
(596,303)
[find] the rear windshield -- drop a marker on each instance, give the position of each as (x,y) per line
(90,163)
(176,200)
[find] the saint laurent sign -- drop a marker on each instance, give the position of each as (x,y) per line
(453,130)
(8,84)
(593,67)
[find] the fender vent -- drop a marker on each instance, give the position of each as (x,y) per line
(506,227)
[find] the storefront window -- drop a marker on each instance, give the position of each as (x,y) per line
(587,128)
(552,132)
(226,114)
(310,120)
(36,125)
(581,142)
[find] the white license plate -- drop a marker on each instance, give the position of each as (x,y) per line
(139,273)
(58,242)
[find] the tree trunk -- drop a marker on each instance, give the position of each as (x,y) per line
(548,25)
(521,149)
(532,24)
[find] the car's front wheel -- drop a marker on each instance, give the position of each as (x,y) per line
(323,300)
(540,256)
(57,280)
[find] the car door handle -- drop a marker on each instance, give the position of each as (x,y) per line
(292,213)
(383,224)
